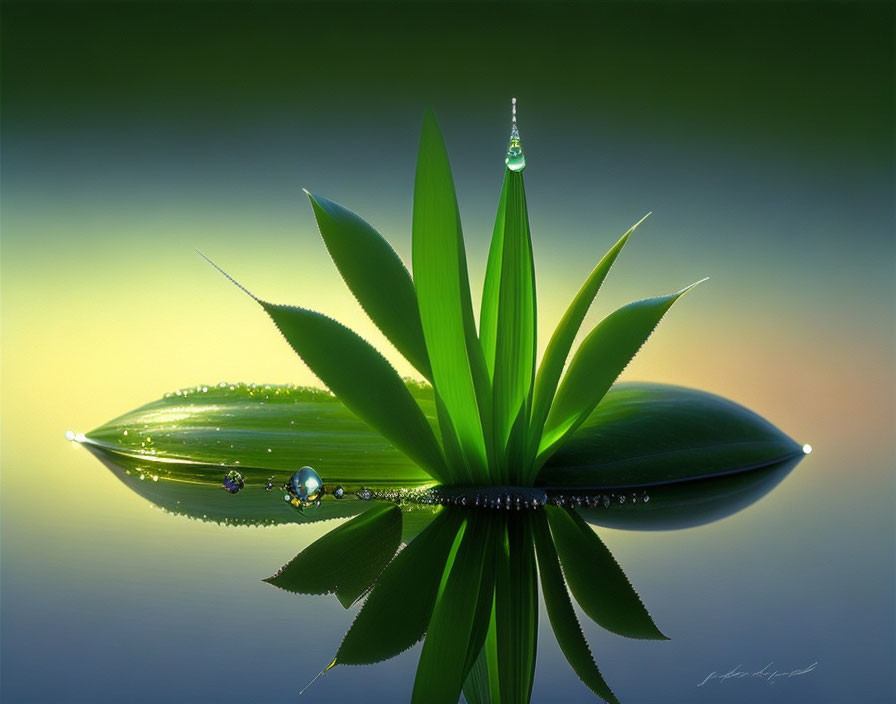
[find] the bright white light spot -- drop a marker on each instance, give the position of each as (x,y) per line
(807,448)
(80,437)
(311,484)
(69,435)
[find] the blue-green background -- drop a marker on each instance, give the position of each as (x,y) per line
(761,137)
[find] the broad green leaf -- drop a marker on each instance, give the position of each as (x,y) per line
(347,560)
(516,609)
(647,434)
(558,348)
(397,611)
(376,276)
(363,380)
(597,582)
(562,615)
(507,322)
(601,358)
(262,429)
(446,312)
(443,665)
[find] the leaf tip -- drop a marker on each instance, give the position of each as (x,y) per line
(230,278)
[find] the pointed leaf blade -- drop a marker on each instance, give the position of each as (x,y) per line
(508,314)
(347,560)
(558,348)
(376,276)
(443,665)
(563,617)
(596,580)
(362,379)
(516,610)
(603,355)
(443,294)
(398,609)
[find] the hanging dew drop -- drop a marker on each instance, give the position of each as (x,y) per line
(515,159)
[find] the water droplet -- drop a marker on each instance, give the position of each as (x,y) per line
(807,448)
(515,159)
(606,501)
(364,494)
(645,498)
(270,484)
(621,499)
(233,482)
(338,492)
(305,486)
(70,435)
(80,437)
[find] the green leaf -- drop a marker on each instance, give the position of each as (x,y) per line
(648,434)
(563,617)
(363,380)
(601,358)
(443,295)
(376,276)
(347,560)
(558,348)
(597,582)
(397,611)
(444,665)
(507,322)
(516,609)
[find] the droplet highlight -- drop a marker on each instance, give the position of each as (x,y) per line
(515,159)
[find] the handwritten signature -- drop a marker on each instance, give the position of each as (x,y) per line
(768,673)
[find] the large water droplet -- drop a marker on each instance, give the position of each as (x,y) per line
(305,487)
(515,159)
(233,482)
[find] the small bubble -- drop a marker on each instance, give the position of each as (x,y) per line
(70,435)
(233,482)
(338,492)
(364,494)
(807,449)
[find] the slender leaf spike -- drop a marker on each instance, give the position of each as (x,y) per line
(376,276)
(595,579)
(446,312)
(363,380)
(507,321)
(558,348)
(601,358)
(562,615)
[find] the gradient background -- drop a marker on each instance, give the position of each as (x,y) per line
(761,137)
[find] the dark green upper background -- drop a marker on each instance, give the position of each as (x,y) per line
(804,76)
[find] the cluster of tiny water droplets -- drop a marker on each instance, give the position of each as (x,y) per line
(502,499)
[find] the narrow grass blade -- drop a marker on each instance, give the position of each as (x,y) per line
(562,615)
(597,582)
(347,560)
(363,380)
(443,295)
(397,611)
(601,358)
(507,322)
(376,276)
(516,609)
(443,664)
(558,348)
(652,434)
